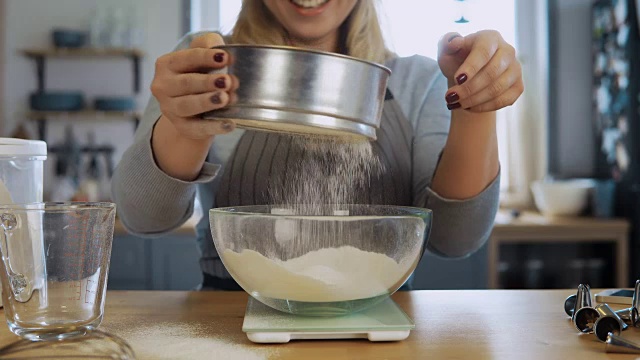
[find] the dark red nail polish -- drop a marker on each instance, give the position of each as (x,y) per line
(453,106)
(453,37)
(461,79)
(221,83)
(216,98)
(219,57)
(452,97)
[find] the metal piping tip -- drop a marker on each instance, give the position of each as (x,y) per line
(584,315)
(583,297)
(635,305)
(608,322)
(604,326)
(583,300)
(625,315)
(585,318)
(605,310)
(619,345)
(570,304)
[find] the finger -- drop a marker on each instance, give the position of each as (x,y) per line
(192,105)
(450,43)
(194,83)
(482,51)
(495,88)
(192,60)
(235,83)
(233,98)
(207,41)
(507,98)
(487,75)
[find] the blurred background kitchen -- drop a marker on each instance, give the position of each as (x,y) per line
(76,74)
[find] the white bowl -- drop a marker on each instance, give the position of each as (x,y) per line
(562,197)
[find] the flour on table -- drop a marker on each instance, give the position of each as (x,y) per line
(178,342)
(325,275)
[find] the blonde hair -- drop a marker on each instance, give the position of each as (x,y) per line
(359,36)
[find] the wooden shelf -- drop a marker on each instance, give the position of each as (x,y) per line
(41,117)
(532,227)
(40,57)
(83,114)
(83,52)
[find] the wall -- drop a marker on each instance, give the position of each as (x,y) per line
(28,24)
(571,134)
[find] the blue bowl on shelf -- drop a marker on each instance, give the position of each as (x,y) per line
(115,104)
(57,101)
(64,38)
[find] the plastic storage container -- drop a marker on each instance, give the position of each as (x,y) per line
(21,170)
(21,182)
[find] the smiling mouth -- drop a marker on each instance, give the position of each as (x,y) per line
(308,4)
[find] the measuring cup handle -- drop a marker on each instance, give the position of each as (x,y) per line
(8,222)
(18,282)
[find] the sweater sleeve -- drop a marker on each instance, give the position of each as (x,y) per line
(149,201)
(459,227)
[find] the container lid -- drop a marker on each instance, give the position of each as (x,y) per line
(20,147)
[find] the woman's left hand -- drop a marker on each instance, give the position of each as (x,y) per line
(483,71)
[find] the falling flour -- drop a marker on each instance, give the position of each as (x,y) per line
(325,275)
(330,172)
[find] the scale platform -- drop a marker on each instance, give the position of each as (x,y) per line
(382,322)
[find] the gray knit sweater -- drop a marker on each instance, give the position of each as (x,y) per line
(151,203)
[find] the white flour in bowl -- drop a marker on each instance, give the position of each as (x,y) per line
(326,275)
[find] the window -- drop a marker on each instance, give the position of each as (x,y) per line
(415,27)
(229,10)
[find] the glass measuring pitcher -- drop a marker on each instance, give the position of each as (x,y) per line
(58,289)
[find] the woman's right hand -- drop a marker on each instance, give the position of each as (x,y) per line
(185,89)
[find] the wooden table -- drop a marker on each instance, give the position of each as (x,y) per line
(533,228)
(475,324)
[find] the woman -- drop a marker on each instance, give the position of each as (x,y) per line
(438,127)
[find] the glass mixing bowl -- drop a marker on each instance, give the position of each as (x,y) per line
(340,260)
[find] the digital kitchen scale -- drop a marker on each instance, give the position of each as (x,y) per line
(382,322)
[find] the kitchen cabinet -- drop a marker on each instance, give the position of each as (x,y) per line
(172,263)
(437,273)
(533,251)
(169,262)
(130,264)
